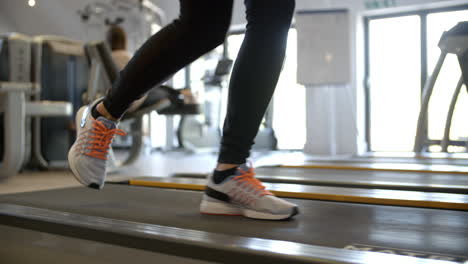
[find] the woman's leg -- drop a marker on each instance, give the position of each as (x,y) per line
(201,26)
(255,75)
(232,188)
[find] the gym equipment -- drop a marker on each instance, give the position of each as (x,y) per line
(17,93)
(205,133)
(454,41)
(61,71)
(140,18)
(122,218)
(409,181)
(326,193)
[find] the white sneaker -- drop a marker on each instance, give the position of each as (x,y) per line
(88,155)
(242,194)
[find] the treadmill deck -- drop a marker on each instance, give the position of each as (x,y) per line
(331,224)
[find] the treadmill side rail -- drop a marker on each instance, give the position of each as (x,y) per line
(189,243)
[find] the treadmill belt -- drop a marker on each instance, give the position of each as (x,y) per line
(371,177)
(320,223)
(409,181)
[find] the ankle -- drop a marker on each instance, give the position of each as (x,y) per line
(225,166)
(101,109)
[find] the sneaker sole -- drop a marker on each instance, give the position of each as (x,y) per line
(222,208)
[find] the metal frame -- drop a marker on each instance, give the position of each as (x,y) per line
(13,95)
(421,133)
(448,120)
(448,44)
(17,108)
(422,11)
(366,84)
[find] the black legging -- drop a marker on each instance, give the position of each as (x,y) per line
(201,27)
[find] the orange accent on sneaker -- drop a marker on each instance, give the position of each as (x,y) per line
(248,177)
(100,140)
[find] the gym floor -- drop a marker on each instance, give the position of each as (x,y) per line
(159,164)
(35,181)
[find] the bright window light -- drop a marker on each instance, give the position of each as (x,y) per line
(155,28)
(395,82)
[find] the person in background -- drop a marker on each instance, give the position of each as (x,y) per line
(117,40)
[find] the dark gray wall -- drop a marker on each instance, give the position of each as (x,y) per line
(5,23)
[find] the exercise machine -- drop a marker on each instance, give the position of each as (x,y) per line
(61,72)
(164,225)
(454,41)
(19,103)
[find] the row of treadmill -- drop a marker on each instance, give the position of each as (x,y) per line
(351,212)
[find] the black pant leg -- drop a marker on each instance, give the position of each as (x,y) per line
(255,75)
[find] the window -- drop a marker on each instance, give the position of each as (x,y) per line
(289,112)
(395,85)
(401,52)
